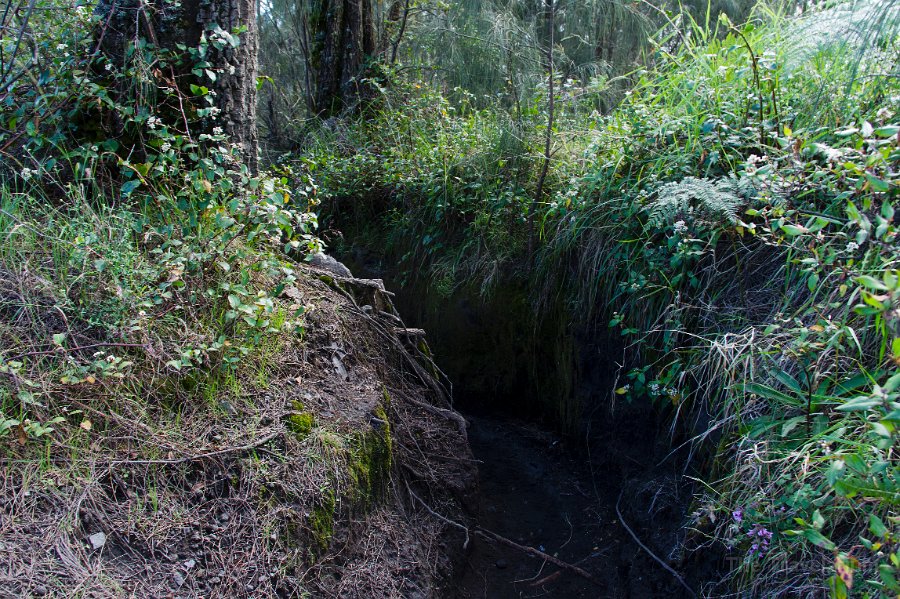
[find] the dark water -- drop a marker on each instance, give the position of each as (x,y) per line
(538,494)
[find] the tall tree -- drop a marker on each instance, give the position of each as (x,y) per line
(230,69)
(344,38)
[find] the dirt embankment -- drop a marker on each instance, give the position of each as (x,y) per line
(315,468)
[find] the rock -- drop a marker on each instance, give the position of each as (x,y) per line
(328,263)
(501,564)
(97,540)
(39,591)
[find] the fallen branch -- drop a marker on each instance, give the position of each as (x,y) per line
(201,456)
(440,517)
(650,553)
(536,553)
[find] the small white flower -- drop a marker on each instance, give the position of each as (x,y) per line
(165,147)
(852,247)
(153,122)
(231,69)
(95,149)
(108,66)
(680,227)
(62,47)
(217,131)
(27,173)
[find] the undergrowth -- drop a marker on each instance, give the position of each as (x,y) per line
(733,218)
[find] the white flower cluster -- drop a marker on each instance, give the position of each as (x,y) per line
(680,227)
(154,121)
(28,173)
(217,131)
(165,147)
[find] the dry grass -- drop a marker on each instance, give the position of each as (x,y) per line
(201,480)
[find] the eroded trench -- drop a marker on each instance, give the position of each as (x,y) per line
(564,467)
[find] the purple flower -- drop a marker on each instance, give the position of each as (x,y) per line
(738,515)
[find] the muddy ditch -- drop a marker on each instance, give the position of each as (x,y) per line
(565,469)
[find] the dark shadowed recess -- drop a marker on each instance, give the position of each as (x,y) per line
(563,461)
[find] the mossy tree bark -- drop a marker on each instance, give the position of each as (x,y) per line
(176,25)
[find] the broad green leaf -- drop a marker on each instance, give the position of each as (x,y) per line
(793,230)
(887,131)
(130,186)
(859,404)
(871,283)
(877,527)
(818,539)
(812,282)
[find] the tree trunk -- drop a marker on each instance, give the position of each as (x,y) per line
(170,25)
(344,38)
(550,16)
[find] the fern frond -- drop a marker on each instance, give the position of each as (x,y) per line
(711,202)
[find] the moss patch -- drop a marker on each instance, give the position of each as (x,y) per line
(300,422)
(321,521)
(371,458)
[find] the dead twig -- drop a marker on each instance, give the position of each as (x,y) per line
(658,560)
(444,519)
(201,456)
(536,553)
(487,534)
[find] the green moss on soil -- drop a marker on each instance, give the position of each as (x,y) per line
(371,458)
(300,422)
(321,521)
